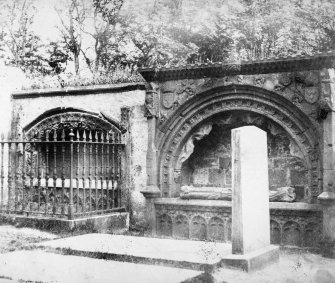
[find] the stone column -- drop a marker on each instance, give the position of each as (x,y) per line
(327,116)
(152,191)
(152,115)
(250,184)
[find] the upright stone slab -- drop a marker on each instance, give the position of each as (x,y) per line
(250,201)
(251,247)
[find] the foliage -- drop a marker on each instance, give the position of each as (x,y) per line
(19,45)
(98,37)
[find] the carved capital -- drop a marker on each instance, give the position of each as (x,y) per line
(151,104)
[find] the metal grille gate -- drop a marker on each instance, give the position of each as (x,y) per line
(62,173)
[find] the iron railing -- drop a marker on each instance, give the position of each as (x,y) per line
(62,173)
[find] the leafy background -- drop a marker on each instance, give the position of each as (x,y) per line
(104,41)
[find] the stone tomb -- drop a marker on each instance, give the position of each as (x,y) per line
(250,202)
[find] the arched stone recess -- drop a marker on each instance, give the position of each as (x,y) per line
(65,118)
(179,128)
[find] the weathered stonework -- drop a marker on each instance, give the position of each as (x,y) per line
(211,220)
(293,95)
(118,107)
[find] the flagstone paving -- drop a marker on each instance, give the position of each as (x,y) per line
(179,253)
(40,266)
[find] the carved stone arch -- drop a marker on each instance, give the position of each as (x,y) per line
(175,132)
(64,118)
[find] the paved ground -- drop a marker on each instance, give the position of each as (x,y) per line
(40,266)
(293,267)
(12,238)
(143,248)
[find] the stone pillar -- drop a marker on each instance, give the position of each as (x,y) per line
(327,116)
(151,104)
(250,184)
(152,191)
(327,197)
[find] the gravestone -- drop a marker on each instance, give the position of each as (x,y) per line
(251,247)
(250,201)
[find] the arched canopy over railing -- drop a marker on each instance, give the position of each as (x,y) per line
(68,163)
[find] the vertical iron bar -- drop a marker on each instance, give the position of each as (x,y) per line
(101,172)
(9,173)
(119,171)
(32,171)
(39,170)
(90,169)
(77,171)
(2,170)
(15,176)
(107,171)
(113,170)
(96,171)
(46,171)
(83,173)
(63,171)
(24,198)
(54,209)
(71,212)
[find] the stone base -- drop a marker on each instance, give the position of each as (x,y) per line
(252,261)
(106,223)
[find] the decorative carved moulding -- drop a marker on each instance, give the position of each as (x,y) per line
(70,118)
(272,65)
(196,112)
(294,224)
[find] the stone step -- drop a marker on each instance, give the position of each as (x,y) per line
(42,266)
(196,255)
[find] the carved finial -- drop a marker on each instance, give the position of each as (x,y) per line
(77,135)
(63,135)
(46,135)
(96,136)
(71,134)
(90,136)
(102,136)
(2,136)
(84,135)
(55,135)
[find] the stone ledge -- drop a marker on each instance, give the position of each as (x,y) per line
(82,90)
(221,69)
(99,223)
(223,203)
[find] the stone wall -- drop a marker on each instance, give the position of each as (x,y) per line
(210,162)
(108,100)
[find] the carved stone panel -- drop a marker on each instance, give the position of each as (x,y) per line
(181,227)
(216,229)
(292,234)
(275,232)
(198,228)
(301,228)
(164,225)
